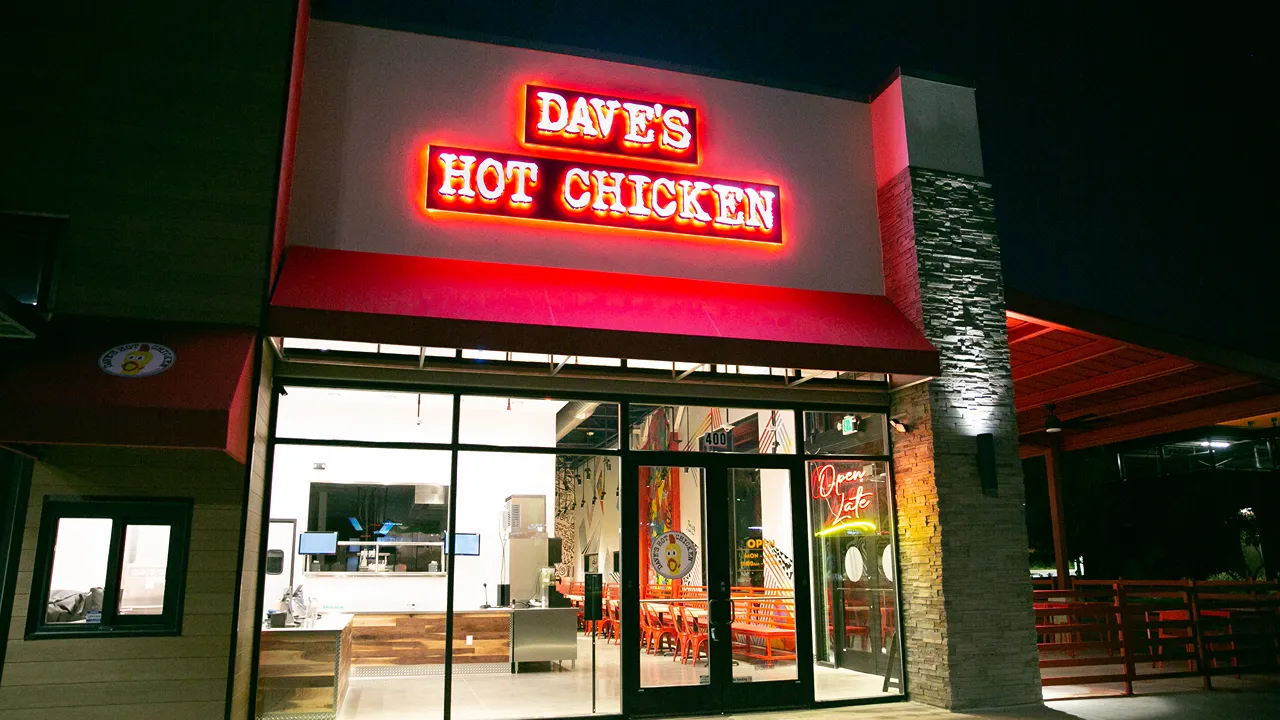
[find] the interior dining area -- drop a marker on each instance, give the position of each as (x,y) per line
(433,549)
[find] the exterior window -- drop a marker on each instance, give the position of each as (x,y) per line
(109,568)
(854,576)
(845,433)
(712,429)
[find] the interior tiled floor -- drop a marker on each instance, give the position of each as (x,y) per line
(561,693)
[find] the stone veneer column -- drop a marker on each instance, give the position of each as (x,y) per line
(968,625)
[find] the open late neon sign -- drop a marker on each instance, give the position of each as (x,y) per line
(846,494)
(590,193)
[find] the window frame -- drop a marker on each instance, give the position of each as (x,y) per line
(123,512)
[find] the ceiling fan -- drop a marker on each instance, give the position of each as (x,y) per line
(1055,424)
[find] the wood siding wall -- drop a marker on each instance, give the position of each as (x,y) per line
(158,132)
(134,678)
(247,615)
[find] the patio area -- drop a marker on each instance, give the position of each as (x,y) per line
(1221,705)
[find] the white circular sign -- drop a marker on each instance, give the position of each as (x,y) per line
(854,564)
(673,554)
(886,562)
(136,360)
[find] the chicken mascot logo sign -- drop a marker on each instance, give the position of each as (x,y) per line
(673,555)
(137,360)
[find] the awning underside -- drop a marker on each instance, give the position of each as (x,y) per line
(53,391)
(368,297)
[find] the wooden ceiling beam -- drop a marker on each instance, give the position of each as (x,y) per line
(1066,358)
(1188,420)
(1028,330)
(1166,396)
(1099,383)
(1027,450)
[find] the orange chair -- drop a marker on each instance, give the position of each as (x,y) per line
(614,620)
(658,631)
(646,629)
(682,631)
(695,640)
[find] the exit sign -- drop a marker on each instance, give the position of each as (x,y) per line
(849,425)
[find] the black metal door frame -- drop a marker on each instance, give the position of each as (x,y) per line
(721,694)
(15,489)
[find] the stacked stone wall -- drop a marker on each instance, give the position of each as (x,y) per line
(968,627)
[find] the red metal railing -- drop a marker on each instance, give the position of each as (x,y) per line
(1122,631)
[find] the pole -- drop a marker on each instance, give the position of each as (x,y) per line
(594,628)
(1054,474)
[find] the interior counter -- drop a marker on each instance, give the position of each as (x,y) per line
(401,638)
(497,637)
(305,669)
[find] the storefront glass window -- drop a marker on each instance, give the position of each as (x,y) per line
(366,415)
(536,422)
(542,521)
(378,512)
(856,643)
(360,534)
(844,433)
(712,429)
(674,620)
(375,534)
(762,592)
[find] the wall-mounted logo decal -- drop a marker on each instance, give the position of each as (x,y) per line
(137,360)
(673,554)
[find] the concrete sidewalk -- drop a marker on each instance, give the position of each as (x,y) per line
(1216,705)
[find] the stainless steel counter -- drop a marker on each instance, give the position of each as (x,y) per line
(544,635)
(327,622)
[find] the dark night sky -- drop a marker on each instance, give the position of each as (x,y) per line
(1126,145)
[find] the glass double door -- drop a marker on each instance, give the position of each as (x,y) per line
(710,605)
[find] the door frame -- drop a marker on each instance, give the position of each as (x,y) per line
(15,491)
(722,694)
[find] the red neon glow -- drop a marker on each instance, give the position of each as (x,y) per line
(557,190)
(846,503)
(554,117)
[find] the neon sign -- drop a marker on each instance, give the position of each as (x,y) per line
(551,189)
(558,118)
(846,503)
(480,182)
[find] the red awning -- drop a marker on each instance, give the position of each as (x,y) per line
(369,297)
(54,393)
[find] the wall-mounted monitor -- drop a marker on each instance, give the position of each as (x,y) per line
(468,544)
(318,543)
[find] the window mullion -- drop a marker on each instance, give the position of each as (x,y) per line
(115,566)
(176,569)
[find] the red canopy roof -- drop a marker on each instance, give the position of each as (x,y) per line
(344,295)
(53,392)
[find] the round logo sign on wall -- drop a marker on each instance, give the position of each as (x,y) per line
(673,555)
(136,360)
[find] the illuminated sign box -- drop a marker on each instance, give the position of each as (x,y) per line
(558,118)
(558,190)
